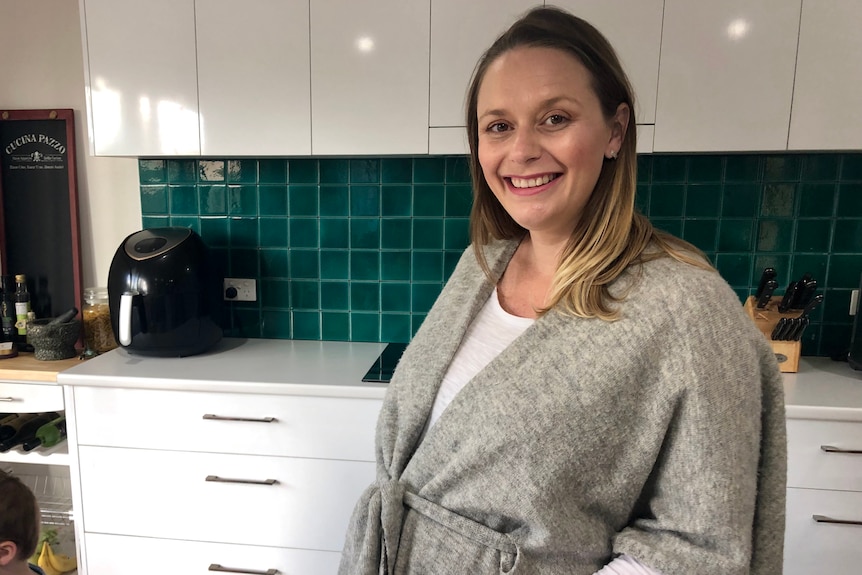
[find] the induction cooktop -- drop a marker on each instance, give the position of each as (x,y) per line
(384,365)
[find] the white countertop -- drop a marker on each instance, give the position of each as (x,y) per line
(267,366)
(823,389)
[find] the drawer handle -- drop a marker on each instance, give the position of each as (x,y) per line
(7,399)
(226,418)
(217,567)
(833,449)
(217,479)
(824,519)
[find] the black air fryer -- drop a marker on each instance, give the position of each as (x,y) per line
(165,294)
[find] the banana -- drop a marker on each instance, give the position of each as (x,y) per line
(45,563)
(58,563)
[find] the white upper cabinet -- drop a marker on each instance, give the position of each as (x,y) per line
(369,76)
(726,75)
(141,82)
(254,77)
(826,96)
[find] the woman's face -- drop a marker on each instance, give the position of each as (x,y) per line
(543,137)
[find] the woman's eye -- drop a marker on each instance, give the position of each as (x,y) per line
(498,127)
(556,119)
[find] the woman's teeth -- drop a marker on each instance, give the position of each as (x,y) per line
(532,182)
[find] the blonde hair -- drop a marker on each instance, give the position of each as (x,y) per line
(610,234)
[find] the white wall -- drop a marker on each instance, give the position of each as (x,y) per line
(42,67)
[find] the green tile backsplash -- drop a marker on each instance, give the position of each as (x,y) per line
(358,248)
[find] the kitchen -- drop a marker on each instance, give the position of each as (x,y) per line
(773,210)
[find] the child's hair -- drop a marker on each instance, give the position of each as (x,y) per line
(19,515)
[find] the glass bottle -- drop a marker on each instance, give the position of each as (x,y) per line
(98,333)
(22,305)
(8,332)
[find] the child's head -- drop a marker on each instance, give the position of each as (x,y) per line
(19,520)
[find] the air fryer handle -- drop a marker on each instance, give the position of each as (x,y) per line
(126,305)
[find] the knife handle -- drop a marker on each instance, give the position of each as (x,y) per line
(766,293)
(797,333)
(768,274)
(779,327)
(789,295)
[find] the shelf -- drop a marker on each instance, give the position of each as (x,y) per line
(57,455)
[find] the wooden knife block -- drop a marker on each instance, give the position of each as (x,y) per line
(786,352)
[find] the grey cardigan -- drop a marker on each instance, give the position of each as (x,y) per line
(660,435)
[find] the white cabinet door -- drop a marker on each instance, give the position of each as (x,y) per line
(369,76)
(824,546)
(254,77)
(726,75)
(142,79)
(826,95)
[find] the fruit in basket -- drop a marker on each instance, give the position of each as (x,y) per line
(55,564)
(48,534)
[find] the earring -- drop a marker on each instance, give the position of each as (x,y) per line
(612,155)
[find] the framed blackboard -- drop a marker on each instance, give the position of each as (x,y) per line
(39,232)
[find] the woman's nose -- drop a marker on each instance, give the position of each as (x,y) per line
(526,146)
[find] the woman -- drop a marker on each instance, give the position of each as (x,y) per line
(587,394)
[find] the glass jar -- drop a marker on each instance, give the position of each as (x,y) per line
(98,334)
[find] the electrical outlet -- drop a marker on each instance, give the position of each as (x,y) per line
(238,289)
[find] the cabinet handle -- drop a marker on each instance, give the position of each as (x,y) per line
(227,418)
(7,399)
(217,479)
(833,449)
(824,519)
(217,567)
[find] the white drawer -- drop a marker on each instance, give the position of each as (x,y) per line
(166,494)
(30,398)
(808,465)
(113,555)
(302,426)
(812,547)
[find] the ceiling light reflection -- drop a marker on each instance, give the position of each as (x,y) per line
(365,44)
(738,29)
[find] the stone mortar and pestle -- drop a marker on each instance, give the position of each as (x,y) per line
(55,338)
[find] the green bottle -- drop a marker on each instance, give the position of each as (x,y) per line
(48,435)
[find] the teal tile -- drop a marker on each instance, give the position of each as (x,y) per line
(395,327)
(272,200)
(703,200)
(306,325)
(850,200)
(334,171)
(851,167)
(304,264)
(365,233)
(242,171)
(428,234)
(395,266)
(458,170)
(213,200)
(211,170)
(644,166)
(246,322)
(813,235)
(304,295)
(275,293)
(431,170)
(396,170)
(214,232)
(396,200)
(834,339)
(365,326)
(396,233)
(334,264)
(303,233)
(666,200)
(334,201)
(820,167)
(364,200)
(427,266)
(364,296)
(334,295)
(671,226)
(273,263)
(740,200)
(817,200)
(302,200)
(182,171)
(190,222)
(668,169)
(148,222)
(364,171)
(243,263)
(272,171)
(705,168)
(815,264)
(152,172)
(780,263)
(154,200)
(428,200)
(273,232)
(459,201)
(365,265)
(275,324)
(742,168)
(642,199)
(423,296)
(335,326)
(734,268)
(450,260)
(774,235)
(778,200)
(242,200)
(456,233)
(848,236)
(836,305)
(416,320)
(782,168)
(395,297)
(243,232)
(701,233)
(735,235)
(844,271)
(335,233)
(302,171)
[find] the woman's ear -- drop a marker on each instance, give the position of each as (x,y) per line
(619,125)
(8,551)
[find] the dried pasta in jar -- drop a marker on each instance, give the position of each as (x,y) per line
(98,333)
